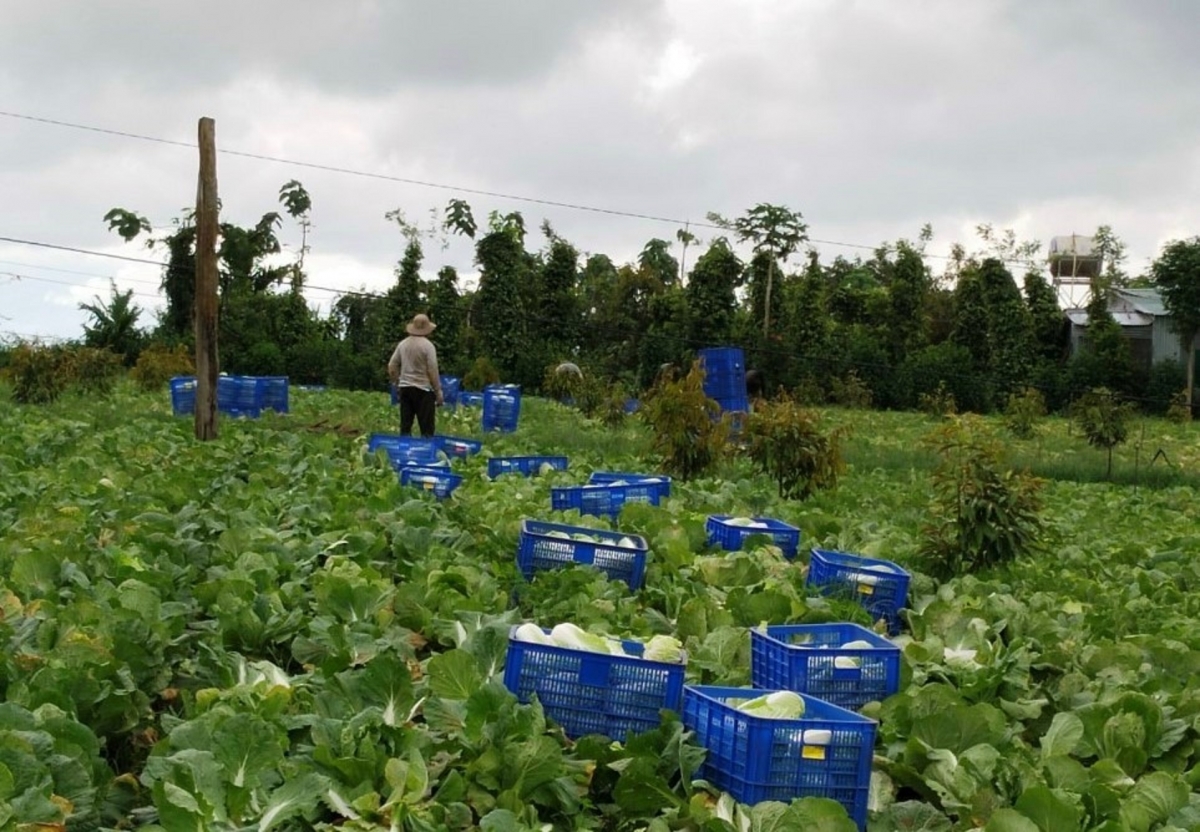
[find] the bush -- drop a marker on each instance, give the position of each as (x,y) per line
(1180,411)
(787,444)
(982,514)
(809,391)
(482,373)
(92,371)
(935,371)
(36,372)
(158,364)
(1024,412)
(1166,379)
(939,403)
(689,434)
(850,391)
(1104,420)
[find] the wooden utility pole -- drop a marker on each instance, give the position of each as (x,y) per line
(206,285)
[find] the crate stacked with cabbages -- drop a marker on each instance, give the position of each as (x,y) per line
(796,732)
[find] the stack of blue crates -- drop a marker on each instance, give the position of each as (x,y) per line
(501,407)
(725,377)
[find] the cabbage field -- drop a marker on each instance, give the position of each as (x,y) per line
(269,632)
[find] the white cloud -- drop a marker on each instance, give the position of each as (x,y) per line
(870,116)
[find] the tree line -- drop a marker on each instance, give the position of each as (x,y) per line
(883,329)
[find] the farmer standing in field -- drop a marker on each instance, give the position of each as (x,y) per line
(413,368)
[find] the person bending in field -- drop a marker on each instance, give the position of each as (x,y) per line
(755,385)
(413,368)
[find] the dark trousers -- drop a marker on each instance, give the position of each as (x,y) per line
(422,404)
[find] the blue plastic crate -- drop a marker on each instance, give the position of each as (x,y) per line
(457,446)
(440,481)
(183,395)
(501,408)
(468,399)
(538,549)
(734,404)
(611,477)
(241,395)
(880,586)
(593,693)
(756,759)
(312,388)
(402,450)
(451,385)
(632,406)
(724,372)
(603,500)
(525,465)
(805,658)
(275,393)
(731,538)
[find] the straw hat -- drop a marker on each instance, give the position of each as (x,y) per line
(420,325)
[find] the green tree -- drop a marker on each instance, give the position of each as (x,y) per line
(774,230)
(459,219)
(685,238)
(406,297)
(1107,360)
(971,319)
(446,309)
(1103,419)
(113,324)
(711,294)
(908,284)
(655,258)
(499,314)
(1009,328)
(1176,273)
(1046,318)
(298,204)
(558,312)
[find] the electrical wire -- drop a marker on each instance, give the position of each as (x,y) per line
(574,206)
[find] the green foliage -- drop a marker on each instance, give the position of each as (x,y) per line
(1180,409)
(983,515)
(113,324)
(1176,273)
(40,373)
(946,367)
(499,314)
(850,391)
(1103,418)
(482,373)
(90,370)
(689,434)
(1048,323)
(939,403)
(789,446)
(775,231)
(562,385)
(1024,412)
(656,261)
(1167,378)
(710,292)
(1106,359)
(37,373)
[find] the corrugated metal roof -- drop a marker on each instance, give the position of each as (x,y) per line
(1148,301)
(1079,317)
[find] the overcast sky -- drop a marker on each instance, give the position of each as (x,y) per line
(871,117)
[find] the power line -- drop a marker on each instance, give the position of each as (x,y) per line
(19,277)
(430,184)
(52,268)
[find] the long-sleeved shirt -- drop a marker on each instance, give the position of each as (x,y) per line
(415,361)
